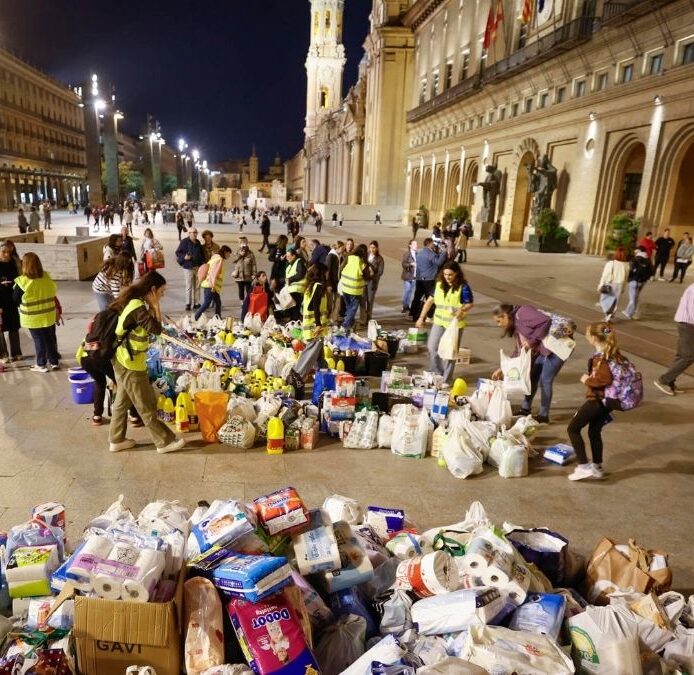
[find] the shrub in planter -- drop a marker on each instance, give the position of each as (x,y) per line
(623,231)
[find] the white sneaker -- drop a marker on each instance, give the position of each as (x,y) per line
(598,472)
(581,472)
(123,445)
(54,366)
(174,446)
(625,315)
(38,369)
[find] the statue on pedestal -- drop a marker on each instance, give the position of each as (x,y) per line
(542,182)
(491,188)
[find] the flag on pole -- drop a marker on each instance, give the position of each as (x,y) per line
(494,18)
(527,11)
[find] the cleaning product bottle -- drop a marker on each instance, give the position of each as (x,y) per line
(161,400)
(193,422)
(340,367)
(169,411)
(275,436)
(182,423)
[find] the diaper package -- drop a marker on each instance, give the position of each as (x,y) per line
(281,510)
(385,522)
(222,523)
(253,577)
(271,637)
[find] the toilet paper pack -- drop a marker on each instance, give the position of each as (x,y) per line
(316,548)
(355,566)
(385,521)
(29,570)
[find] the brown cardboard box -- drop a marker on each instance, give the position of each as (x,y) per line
(111,635)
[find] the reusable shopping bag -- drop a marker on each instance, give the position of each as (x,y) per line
(411,434)
(516,370)
(448,345)
(309,357)
(461,457)
(499,408)
(285,299)
(364,430)
(211,407)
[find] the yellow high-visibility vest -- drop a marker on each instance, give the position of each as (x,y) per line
(309,316)
(352,278)
(447,304)
(297,286)
(37,309)
(215,260)
(137,340)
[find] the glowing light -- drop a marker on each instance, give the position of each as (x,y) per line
(99,104)
(658,99)
(592,116)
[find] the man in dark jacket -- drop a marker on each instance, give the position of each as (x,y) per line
(663,246)
(429,261)
(318,252)
(265,231)
(190,256)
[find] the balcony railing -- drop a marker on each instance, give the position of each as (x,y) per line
(617,13)
(544,48)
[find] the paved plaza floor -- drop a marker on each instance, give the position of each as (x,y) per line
(50,451)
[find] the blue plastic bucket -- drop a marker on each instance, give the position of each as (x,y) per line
(82,386)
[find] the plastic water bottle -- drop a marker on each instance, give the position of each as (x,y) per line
(275,436)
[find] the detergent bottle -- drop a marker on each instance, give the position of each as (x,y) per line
(193,422)
(182,423)
(169,411)
(340,366)
(161,400)
(275,436)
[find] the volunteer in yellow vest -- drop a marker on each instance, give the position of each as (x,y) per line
(352,285)
(314,308)
(295,276)
(139,317)
(453,299)
(35,293)
(213,282)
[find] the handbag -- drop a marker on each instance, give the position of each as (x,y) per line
(448,345)
(606,289)
(155,260)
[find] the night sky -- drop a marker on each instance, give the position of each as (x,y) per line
(222,74)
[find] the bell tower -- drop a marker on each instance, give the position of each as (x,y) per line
(325,62)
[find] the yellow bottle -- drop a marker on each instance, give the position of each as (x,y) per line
(169,411)
(182,423)
(275,436)
(193,422)
(340,366)
(229,339)
(161,400)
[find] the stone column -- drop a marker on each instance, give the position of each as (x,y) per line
(356,171)
(111,156)
(324,181)
(92,132)
(346,161)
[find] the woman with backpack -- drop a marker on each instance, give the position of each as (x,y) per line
(640,271)
(595,411)
(212,283)
(139,316)
(116,273)
(529,327)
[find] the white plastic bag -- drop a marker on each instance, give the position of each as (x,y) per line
(386,426)
(514,462)
(460,455)
(411,434)
(448,345)
(499,409)
(372,329)
(363,432)
(516,372)
(285,299)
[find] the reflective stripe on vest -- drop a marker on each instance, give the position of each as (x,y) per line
(447,304)
(37,308)
(137,341)
(309,316)
(352,277)
(297,286)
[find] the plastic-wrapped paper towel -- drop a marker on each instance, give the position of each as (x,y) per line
(81,565)
(427,575)
(452,666)
(343,508)
(453,612)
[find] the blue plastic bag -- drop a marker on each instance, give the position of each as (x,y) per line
(324,380)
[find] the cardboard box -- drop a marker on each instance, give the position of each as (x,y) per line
(111,635)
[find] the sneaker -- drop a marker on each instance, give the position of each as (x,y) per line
(123,445)
(524,412)
(661,279)
(54,366)
(542,419)
(38,369)
(625,315)
(667,389)
(136,421)
(196,306)
(174,446)
(677,390)
(598,472)
(581,472)
(187,308)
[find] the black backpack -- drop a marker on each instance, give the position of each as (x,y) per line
(101,340)
(641,270)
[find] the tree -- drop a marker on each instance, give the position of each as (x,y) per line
(623,232)
(130,179)
(168,183)
(460,213)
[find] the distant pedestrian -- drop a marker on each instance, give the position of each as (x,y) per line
(415,227)
(334,218)
(461,243)
(129,218)
(377,265)
(494,233)
(663,246)
(33,220)
(612,281)
(683,258)
(409,272)
(190,256)
(684,316)
(246,269)
(429,261)
(209,246)
(265,231)
(22,222)
(47,216)
(341,218)
(648,245)
(640,271)
(377,219)
(88,212)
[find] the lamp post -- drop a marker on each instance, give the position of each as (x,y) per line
(195,187)
(180,164)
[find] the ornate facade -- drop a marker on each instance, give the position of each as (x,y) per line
(42,139)
(603,89)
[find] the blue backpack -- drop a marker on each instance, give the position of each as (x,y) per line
(627,384)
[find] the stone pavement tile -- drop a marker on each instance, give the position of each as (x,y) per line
(254,465)
(14,516)
(32,487)
(14,460)
(190,493)
(97,495)
(148,465)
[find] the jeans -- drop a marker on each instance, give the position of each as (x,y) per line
(543,371)
(192,286)
(685,354)
(436,363)
(371,288)
(634,292)
(46,345)
(209,296)
(103,300)
(594,415)
(407,291)
(351,307)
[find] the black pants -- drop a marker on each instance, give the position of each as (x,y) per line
(680,268)
(244,289)
(422,290)
(100,370)
(660,263)
(593,414)
(266,242)
(685,354)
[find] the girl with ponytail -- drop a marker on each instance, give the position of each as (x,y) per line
(595,411)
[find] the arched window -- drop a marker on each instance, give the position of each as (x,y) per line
(324,99)
(327,19)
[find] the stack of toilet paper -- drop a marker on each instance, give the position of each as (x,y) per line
(487,562)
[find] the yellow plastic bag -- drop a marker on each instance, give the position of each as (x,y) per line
(212,412)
